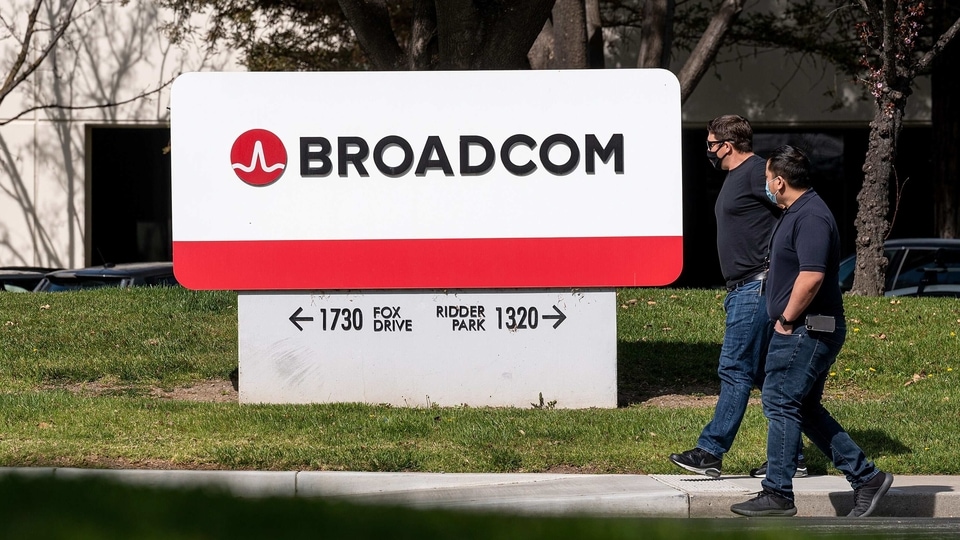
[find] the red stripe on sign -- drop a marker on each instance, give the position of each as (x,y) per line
(429,264)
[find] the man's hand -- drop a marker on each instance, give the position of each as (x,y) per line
(805,288)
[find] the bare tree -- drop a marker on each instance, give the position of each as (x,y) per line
(562,44)
(891,63)
(33,49)
(71,61)
(38,40)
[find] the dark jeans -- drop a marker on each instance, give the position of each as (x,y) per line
(797,366)
(741,359)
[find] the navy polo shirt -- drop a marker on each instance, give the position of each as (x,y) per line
(805,239)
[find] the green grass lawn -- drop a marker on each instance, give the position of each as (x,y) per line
(895,387)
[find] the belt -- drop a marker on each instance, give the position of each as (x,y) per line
(734,285)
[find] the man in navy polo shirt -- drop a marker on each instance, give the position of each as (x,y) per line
(804,299)
(745,218)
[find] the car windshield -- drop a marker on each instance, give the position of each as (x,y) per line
(848,265)
(846,273)
(929,267)
(78,283)
(11,287)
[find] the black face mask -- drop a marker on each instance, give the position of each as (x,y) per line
(714,160)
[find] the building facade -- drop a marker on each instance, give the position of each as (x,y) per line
(88,183)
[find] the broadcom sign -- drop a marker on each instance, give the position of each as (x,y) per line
(426,180)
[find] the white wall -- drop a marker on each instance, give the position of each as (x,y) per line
(111,53)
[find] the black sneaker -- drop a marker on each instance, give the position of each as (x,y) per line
(766,503)
(699,461)
(866,497)
(761,471)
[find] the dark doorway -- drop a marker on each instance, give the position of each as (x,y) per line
(128,190)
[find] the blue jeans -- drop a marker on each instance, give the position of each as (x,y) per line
(741,364)
(797,366)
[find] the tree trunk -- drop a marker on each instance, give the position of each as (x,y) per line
(508,32)
(570,34)
(541,54)
(594,34)
(553,49)
(656,34)
(370,21)
(872,222)
(450,34)
(946,133)
(423,36)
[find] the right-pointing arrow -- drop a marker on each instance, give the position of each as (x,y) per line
(560,317)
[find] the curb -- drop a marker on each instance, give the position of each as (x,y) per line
(677,496)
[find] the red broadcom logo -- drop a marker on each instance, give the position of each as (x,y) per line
(258,157)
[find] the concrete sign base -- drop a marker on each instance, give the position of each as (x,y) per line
(420,348)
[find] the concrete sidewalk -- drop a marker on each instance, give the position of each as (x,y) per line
(544,494)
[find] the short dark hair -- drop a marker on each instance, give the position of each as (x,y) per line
(792,165)
(733,128)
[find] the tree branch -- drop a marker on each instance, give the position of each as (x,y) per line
(13,79)
(84,107)
(923,65)
(707,47)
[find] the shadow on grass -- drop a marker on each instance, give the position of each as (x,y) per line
(873,442)
(53,509)
(876,443)
(649,369)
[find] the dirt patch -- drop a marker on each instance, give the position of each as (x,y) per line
(214,391)
(573,469)
(222,391)
(676,401)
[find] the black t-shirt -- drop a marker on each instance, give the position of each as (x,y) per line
(745,218)
(806,239)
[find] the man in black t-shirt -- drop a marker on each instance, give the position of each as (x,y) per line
(804,299)
(745,218)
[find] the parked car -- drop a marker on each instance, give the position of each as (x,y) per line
(918,267)
(21,278)
(144,274)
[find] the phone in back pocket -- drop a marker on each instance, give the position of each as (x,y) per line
(821,323)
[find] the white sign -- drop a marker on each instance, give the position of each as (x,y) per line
(406,180)
(430,347)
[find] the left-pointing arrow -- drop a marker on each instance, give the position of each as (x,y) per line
(297,320)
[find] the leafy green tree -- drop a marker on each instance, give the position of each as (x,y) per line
(884,44)
(369,34)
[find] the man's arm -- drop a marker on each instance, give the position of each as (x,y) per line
(805,288)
